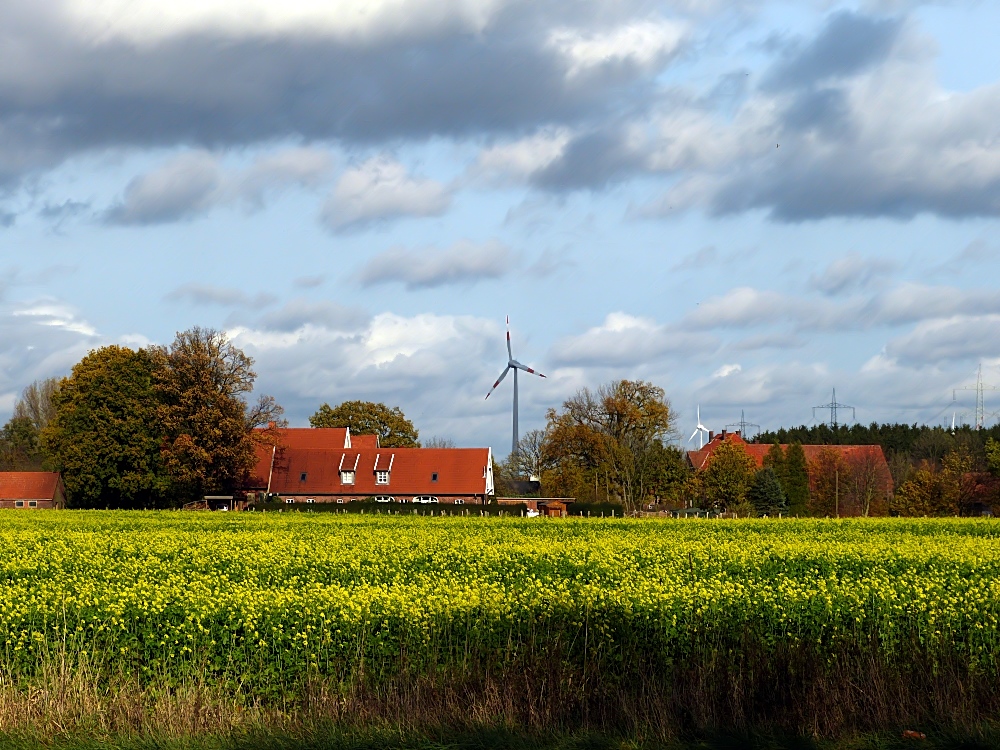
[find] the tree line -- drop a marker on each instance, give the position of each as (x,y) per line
(615,445)
(146,428)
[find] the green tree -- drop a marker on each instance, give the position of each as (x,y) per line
(104,435)
(993,456)
(766,494)
(796,485)
(202,380)
(20,446)
(728,476)
(394,430)
(774,459)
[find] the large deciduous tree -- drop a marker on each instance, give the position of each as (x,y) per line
(104,434)
(394,430)
(201,382)
(609,442)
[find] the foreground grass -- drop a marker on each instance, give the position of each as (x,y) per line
(333,738)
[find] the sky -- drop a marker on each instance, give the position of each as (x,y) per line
(747,203)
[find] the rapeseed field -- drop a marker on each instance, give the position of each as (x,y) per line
(794,623)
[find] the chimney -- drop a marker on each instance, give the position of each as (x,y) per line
(711,436)
(723,433)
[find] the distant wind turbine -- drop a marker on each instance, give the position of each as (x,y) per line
(700,431)
(512,364)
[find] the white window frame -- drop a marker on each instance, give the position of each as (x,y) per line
(32,503)
(19,503)
(289,501)
(382,476)
(347,476)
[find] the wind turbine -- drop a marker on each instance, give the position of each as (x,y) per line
(700,431)
(512,364)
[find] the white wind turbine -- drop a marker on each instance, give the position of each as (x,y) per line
(700,431)
(512,364)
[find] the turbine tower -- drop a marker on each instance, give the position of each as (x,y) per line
(512,364)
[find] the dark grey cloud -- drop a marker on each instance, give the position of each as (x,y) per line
(7,219)
(207,294)
(179,190)
(592,161)
(849,43)
(193,183)
(61,93)
(462,263)
(309,282)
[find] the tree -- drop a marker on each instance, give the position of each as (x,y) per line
(394,430)
(796,485)
(20,440)
(728,476)
(925,493)
(829,480)
(438,442)
(37,403)
(870,482)
(765,493)
(20,446)
(600,440)
(201,381)
(105,432)
(774,459)
(528,460)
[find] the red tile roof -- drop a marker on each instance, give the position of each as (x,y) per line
(459,471)
(29,485)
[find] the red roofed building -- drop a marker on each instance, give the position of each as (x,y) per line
(334,466)
(869,456)
(31,489)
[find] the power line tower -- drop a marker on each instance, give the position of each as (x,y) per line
(833,408)
(743,424)
(979,388)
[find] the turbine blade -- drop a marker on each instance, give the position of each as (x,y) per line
(519,366)
(499,380)
(509,355)
(693,435)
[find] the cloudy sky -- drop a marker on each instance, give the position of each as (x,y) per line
(749,203)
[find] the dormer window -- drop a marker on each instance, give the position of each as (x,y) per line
(381,477)
(434,476)
(302,476)
(347,477)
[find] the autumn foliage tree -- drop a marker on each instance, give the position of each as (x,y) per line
(609,442)
(394,430)
(201,383)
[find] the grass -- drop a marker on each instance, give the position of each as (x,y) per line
(331,737)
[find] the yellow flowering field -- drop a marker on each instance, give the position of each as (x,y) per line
(261,603)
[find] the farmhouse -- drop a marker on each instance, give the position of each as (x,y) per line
(869,455)
(31,489)
(329,465)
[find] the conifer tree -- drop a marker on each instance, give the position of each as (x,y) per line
(797,479)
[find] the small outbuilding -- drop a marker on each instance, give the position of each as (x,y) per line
(31,490)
